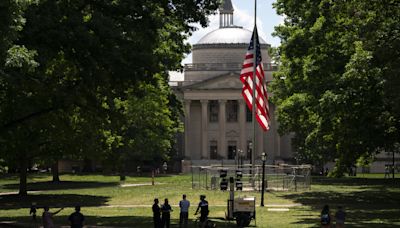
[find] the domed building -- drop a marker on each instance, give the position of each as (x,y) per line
(218,124)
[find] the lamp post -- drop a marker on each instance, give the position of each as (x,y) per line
(263,158)
(240,158)
(234,155)
(250,154)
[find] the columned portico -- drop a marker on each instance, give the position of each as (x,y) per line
(242,125)
(204,129)
(187,128)
(222,129)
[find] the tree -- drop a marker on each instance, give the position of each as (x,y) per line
(66,63)
(339,65)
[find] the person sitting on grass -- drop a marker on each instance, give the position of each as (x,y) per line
(76,219)
(48,217)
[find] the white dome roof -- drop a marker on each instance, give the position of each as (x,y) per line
(228,35)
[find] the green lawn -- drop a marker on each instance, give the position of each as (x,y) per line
(369,201)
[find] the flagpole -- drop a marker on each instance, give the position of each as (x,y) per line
(253,150)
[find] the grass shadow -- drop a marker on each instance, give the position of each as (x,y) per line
(14,201)
(61,185)
(356,181)
(117,221)
(368,202)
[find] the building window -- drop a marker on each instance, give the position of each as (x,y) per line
(232,111)
(249,115)
(213,110)
(232,149)
(213,150)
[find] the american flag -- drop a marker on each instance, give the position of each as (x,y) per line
(246,76)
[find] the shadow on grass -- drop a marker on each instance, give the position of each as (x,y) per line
(14,201)
(114,221)
(357,181)
(61,185)
(375,203)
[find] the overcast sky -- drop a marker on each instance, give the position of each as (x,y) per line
(243,15)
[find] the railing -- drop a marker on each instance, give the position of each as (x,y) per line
(224,66)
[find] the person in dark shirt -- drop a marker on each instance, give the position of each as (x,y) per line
(76,219)
(340,216)
(203,207)
(156,214)
(166,214)
(33,211)
(326,217)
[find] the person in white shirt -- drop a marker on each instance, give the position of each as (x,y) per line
(48,217)
(184,204)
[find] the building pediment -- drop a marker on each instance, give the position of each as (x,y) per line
(232,133)
(226,81)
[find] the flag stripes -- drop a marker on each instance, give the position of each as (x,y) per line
(246,76)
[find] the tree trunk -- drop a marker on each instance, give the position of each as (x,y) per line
(54,171)
(23,165)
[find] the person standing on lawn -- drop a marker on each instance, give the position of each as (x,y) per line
(156,214)
(166,214)
(203,207)
(76,219)
(47,217)
(340,216)
(326,217)
(184,204)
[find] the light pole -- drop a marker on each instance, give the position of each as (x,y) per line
(250,154)
(234,156)
(240,158)
(263,158)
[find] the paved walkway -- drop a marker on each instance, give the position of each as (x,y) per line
(16,193)
(121,185)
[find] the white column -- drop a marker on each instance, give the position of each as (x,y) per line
(204,129)
(187,128)
(222,131)
(242,125)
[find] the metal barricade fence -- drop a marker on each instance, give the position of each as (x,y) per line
(277,177)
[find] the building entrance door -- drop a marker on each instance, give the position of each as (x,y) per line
(232,151)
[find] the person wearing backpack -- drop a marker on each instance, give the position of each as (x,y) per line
(325,217)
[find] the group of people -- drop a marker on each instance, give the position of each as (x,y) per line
(340,216)
(76,219)
(162,215)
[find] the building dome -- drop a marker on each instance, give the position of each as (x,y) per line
(227,44)
(228,35)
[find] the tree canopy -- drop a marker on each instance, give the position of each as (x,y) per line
(85,77)
(338,81)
